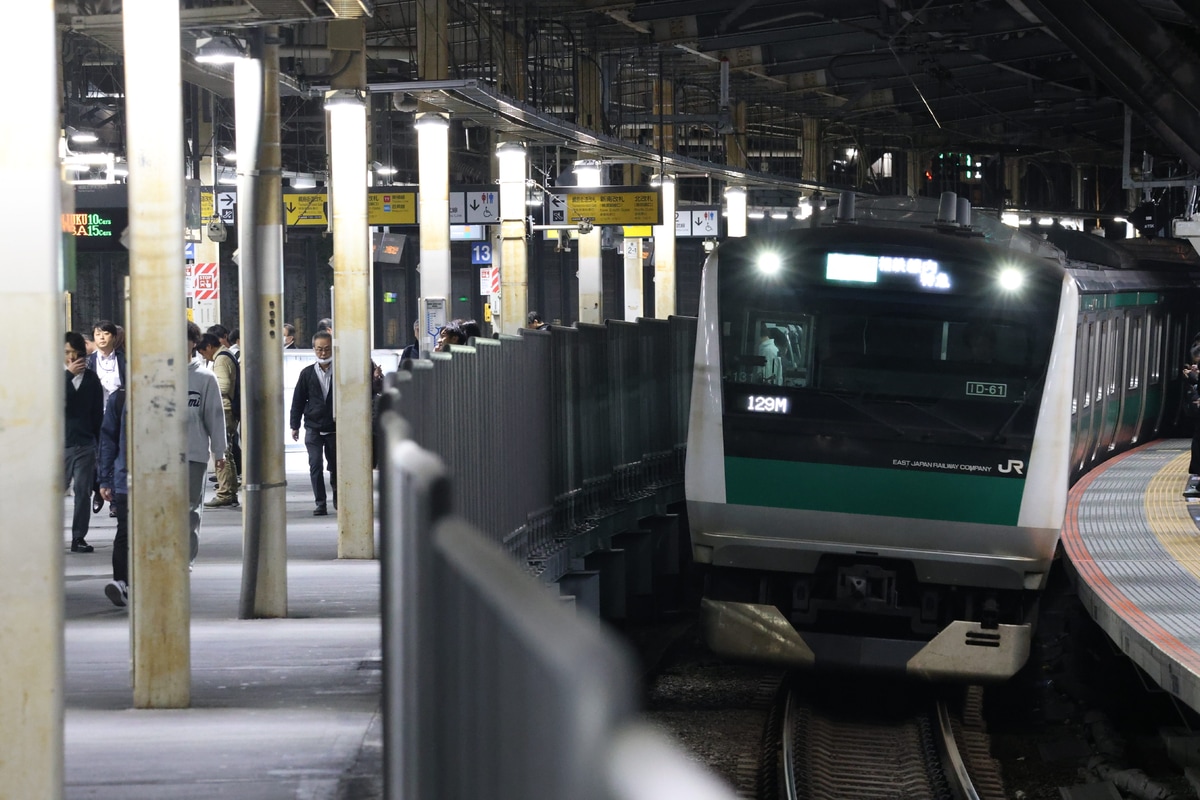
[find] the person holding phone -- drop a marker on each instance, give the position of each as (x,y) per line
(84,413)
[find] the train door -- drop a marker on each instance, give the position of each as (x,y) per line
(1131,383)
(1095,388)
(1087,393)
(1078,432)
(1156,358)
(1156,384)
(1108,398)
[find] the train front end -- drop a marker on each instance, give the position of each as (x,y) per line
(877,453)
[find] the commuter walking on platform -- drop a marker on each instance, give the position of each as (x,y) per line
(1191,408)
(412,351)
(450,333)
(206,434)
(534,320)
(312,401)
(114,486)
(84,413)
(108,362)
(225,366)
(289,336)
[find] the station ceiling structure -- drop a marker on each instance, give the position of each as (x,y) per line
(1039,79)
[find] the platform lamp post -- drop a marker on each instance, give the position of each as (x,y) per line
(433,163)
(514,267)
(352,336)
(735,211)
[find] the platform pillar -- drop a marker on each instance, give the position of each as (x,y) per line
(31,420)
(346,105)
(664,251)
(260,233)
(157,401)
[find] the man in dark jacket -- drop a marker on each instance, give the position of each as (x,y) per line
(114,487)
(313,401)
(84,413)
(108,362)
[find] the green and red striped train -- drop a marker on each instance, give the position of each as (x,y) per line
(886,418)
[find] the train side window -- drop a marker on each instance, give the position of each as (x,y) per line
(1115,348)
(1134,356)
(1156,350)
(1080,370)
(1089,351)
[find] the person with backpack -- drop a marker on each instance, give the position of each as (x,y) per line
(228,371)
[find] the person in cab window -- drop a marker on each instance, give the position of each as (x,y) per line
(772,371)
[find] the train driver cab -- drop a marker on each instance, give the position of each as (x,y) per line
(776,355)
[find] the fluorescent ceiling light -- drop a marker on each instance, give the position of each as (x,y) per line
(219,50)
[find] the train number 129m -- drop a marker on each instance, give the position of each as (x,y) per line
(761,402)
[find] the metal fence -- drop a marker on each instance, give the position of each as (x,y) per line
(493,688)
(551,433)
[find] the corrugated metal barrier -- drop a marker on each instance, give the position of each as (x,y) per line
(551,434)
(493,688)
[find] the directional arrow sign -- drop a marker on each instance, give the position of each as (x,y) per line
(558,209)
(227,207)
(483,208)
(611,205)
(306,209)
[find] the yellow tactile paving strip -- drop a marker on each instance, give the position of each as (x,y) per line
(1168,517)
(1133,544)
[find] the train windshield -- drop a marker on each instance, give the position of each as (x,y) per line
(954,366)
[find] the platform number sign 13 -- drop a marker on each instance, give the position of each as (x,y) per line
(481,253)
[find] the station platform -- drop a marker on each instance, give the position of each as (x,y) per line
(283,708)
(1133,542)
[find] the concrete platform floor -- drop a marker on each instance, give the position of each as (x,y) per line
(284,708)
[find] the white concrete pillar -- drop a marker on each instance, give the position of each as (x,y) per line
(433,163)
(633,278)
(591,277)
(514,270)
(664,252)
(735,211)
(351,336)
(31,422)
(157,359)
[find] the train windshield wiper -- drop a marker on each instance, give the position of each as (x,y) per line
(862,409)
(946,420)
(1033,390)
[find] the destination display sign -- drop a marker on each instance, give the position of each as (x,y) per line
(98,229)
(608,205)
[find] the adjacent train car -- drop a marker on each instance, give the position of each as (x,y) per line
(886,417)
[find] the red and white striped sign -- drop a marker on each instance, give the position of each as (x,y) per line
(206,281)
(495,280)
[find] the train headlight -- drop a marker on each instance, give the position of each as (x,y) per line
(1011,279)
(770,263)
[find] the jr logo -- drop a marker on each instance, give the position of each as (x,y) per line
(1013,465)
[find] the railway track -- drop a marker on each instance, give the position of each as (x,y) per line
(856,744)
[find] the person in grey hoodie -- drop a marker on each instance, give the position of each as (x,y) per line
(206,434)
